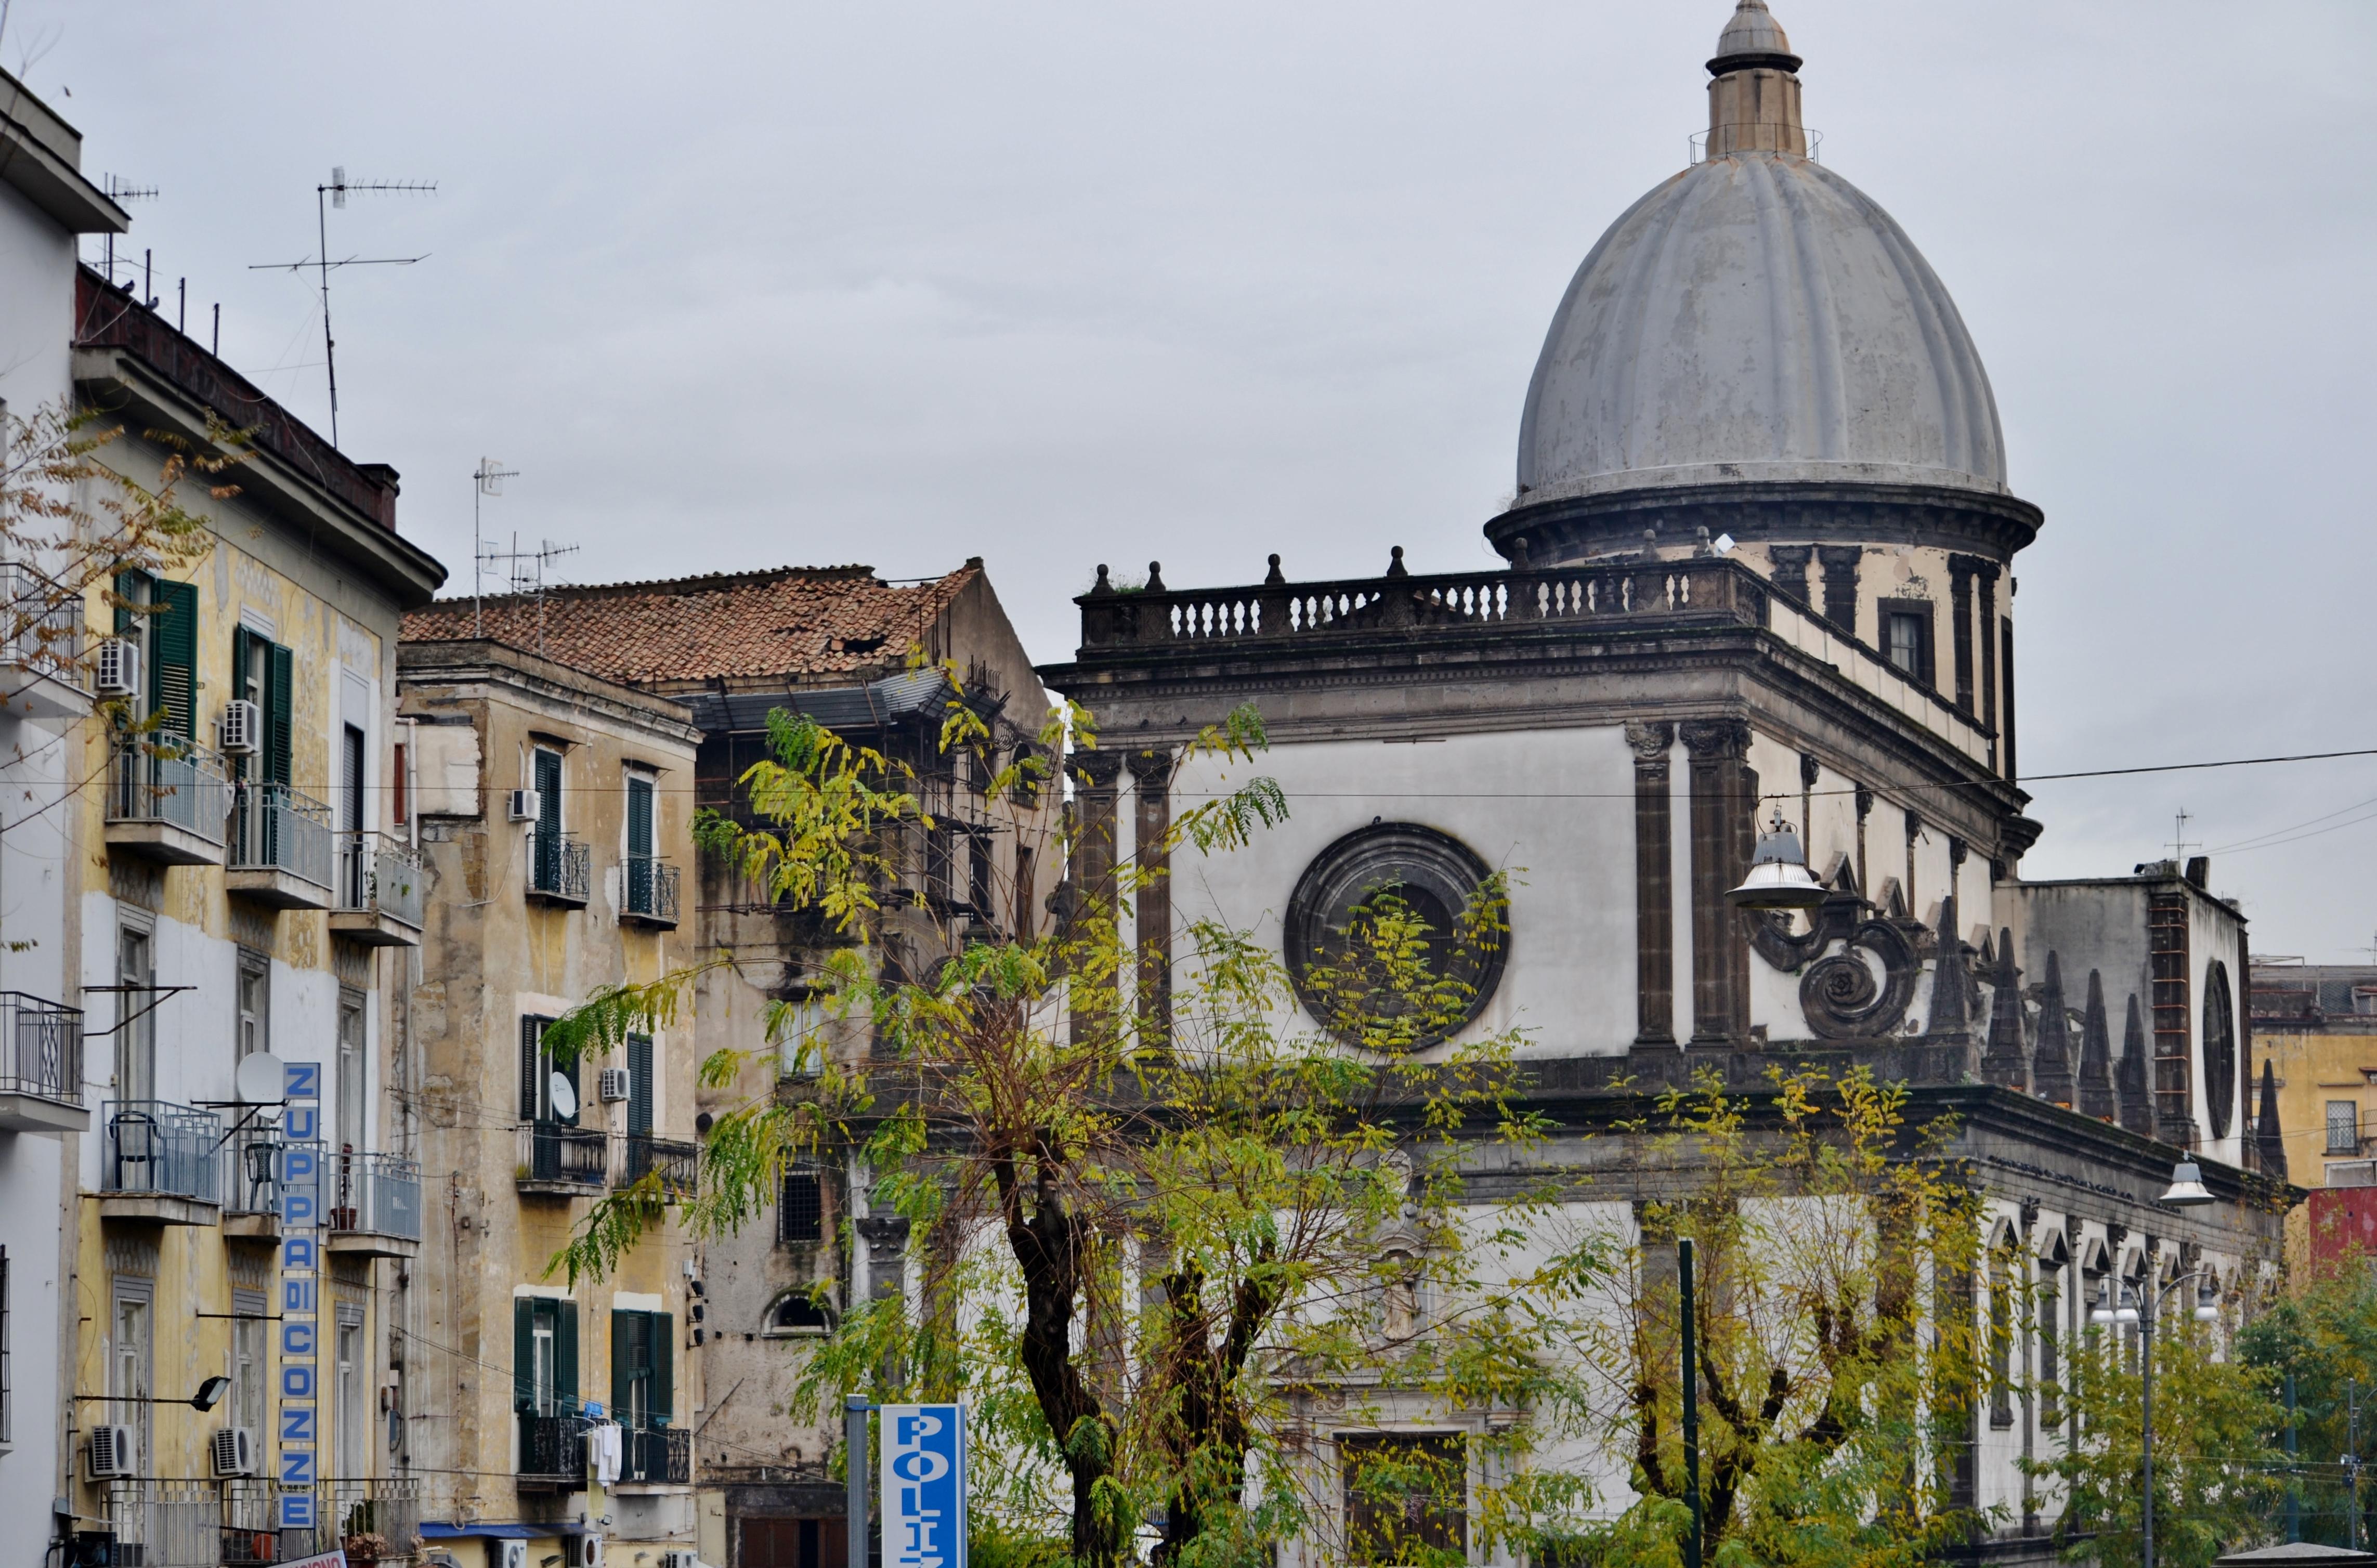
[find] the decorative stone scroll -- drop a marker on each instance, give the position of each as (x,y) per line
(1839,994)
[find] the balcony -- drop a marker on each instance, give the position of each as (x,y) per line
(560,1161)
(379,892)
(41,645)
(559,870)
(651,892)
(40,1066)
(253,1180)
(160,1163)
(374,1520)
(280,848)
(552,1452)
(168,800)
(677,1164)
(375,1210)
(656,1456)
(173,1524)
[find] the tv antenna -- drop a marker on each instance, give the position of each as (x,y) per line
(120,190)
(335,194)
(2179,843)
(524,573)
(490,478)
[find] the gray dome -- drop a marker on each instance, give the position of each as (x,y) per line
(1757,317)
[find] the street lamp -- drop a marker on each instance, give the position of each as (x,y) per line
(2141,1304)
(208,1395)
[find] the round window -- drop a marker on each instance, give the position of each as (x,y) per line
(1348,971)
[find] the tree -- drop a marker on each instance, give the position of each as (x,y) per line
(2322,1333)
(1154,1230)
(1834,1321)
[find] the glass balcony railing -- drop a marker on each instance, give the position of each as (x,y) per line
(379,875)
(41,1049)
(164,777)
(276,828)
(375,1194)
(651,890)
(559,869)
(155,1146)
(555,1155)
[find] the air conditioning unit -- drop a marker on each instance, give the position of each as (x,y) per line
(526,806)
(242,728)
(612,1084)
(581,1551)
(232,1452)
(110,1453)
(507,1554)
(119,667)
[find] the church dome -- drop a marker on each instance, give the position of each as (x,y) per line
(1756,317)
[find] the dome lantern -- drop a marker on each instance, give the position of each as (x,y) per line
(1754,99)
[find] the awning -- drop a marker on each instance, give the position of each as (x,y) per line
(431,1529)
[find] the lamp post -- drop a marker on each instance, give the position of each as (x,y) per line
(2187,1191)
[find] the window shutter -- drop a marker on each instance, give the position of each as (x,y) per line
(640,817)
(128,586)
(239,639)
(640,1083)
(624,1327)
(531,1099)
(282,679)
(523,1354)
(565,1357)
(174,671)
(663,1344)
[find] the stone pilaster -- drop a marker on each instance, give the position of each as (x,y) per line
(1151,776)
(1654,884)
(1724,800)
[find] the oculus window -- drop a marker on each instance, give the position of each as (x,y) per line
(1348,938)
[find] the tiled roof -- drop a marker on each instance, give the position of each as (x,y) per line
(793,622)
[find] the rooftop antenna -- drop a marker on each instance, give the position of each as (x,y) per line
(335,194)
(490,476)
(524,572)
(2179,843)
(120,190)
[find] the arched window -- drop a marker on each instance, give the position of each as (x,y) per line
(793,1315)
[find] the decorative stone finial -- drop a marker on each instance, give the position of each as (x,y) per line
(1518,552)
(1102,585)
(2269,1142)
(2050,1074)
(1274,576)
(2097,1096)
(2137,1085)
(1155,576)
(2004,1060)
(1395,566)
(1754,99)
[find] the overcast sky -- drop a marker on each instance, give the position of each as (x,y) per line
(1058,283)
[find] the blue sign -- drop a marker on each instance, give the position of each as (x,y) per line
(924,1485)
(300,1178)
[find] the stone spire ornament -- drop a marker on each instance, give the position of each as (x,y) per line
(2004,1060)
(2269,1140)
(2051,1072)
(1950,979)
(2097,1096)
(1754,99)
(2137,1091)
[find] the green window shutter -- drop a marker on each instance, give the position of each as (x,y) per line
(640,1083)
(663,1344)
(565,1357)
(173,672)
(523,1354)
(241,640)
(530,1098)
(640,817)
(282,679)
(624,1327)
(128,586)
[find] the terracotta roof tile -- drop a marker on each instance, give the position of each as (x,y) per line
(789,621)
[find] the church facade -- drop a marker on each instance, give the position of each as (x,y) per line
(1759,567)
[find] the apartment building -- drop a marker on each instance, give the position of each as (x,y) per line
(2316,1026)
(45,203)
(249,914)
(554,808)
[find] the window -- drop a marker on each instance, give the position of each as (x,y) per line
(136,1036)
(800,1213)
(131,1359)
(644,1348)
(264,673)
(2343,1127)
(790,1543)
(538,1071)
(354,1075)
(400,810)
(979,889)
(1907,637)
(254,995)
(801,1047)
(353,1457)
(2002,1340)
(545,841)
(795,1315)
(2051,1392)
(1405,1497)
(544,1355)
(640,1085)
(247,1368)
(167,636)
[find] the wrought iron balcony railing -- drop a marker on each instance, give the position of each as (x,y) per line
(41,1049)
(553,1154)
(164,777)
(553,1449)
(276,828)
(41,631)
(559,869)
(651,890)
(379,875)
(678,1164)
(375,1194)
(155,1146)
(662,1455)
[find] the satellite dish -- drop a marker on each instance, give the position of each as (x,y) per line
(258,1080)
(564,1096)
